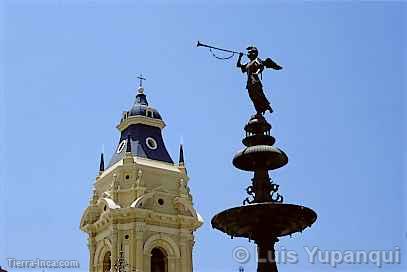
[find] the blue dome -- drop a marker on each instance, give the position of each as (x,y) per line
(141,108)
(140,138)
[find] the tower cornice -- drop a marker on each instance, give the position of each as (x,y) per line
(134,120)
(148,164)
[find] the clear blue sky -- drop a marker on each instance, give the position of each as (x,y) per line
(68,70)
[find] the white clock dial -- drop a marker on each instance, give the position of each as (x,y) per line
(151,143)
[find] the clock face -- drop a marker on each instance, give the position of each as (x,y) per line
(121,146)
(151,143)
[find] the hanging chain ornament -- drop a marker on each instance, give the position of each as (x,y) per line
(221,58)
(211,48)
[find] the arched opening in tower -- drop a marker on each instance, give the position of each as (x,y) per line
(159,260)
(107,263)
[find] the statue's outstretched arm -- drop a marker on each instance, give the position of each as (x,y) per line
(239,60)
(239,63)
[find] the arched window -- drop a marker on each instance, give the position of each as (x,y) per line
(159,260)
(149,113)
(107,262)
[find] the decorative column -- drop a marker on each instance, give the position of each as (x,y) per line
(188,245)
(184,256)
(113,256)
(139,245)
(133,249)
(172,264)
(186,252)
(99,267)
(92,249)
(191,248)
(147,262)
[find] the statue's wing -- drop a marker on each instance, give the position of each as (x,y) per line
(269,63)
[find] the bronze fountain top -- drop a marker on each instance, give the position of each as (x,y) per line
(263,217)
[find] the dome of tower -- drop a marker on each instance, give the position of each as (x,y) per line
(141,133)
(141,107)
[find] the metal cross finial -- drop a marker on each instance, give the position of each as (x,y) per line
(141,79)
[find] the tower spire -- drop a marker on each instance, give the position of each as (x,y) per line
(102,163)
(181,155)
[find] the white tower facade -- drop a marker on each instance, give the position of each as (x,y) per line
(141,213)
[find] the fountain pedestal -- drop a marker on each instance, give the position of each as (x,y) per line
(263,217)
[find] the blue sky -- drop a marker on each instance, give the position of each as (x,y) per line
(68,70)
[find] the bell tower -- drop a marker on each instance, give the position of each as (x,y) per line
(140,217)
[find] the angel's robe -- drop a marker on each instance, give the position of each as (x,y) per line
(254,85)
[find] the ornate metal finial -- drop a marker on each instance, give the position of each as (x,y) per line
(141,78)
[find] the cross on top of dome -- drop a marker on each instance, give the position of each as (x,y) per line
(141,78)
(140,88)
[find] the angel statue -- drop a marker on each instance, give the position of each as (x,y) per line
(254,68)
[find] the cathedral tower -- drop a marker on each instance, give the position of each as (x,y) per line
(140,217)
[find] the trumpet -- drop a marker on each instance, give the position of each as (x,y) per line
(217,48)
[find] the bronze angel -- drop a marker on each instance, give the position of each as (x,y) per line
(254,68)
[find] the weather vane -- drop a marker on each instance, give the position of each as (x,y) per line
(254,69)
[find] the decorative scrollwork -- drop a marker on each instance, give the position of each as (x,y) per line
(248,201)
(250,190)
(274,187)
(263,189)
(275,196)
